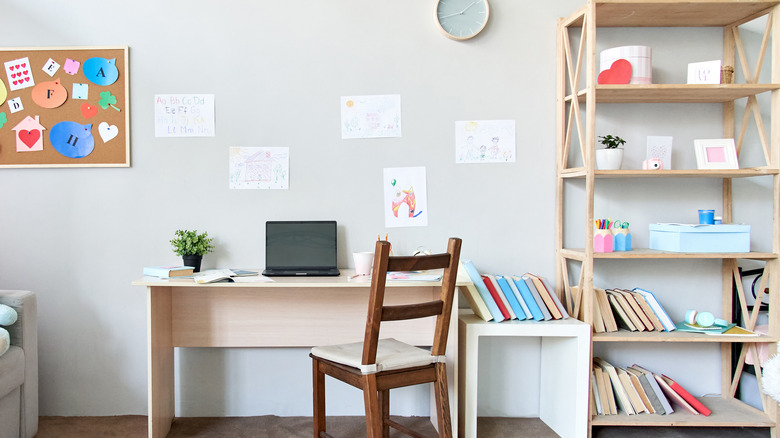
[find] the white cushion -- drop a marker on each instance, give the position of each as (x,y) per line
(390,355)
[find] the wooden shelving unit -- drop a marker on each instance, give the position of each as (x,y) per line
(578,96)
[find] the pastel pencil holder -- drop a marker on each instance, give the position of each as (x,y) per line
(621,239)
(602,241)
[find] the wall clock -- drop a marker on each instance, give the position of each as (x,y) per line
(462,19)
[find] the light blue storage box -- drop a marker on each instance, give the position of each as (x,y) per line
(700,238)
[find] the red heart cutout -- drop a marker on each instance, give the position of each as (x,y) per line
(24,65)
(27,79)
(11,67)
(16,82)
(88,110)
(24,72)
(30,137)
(619,73)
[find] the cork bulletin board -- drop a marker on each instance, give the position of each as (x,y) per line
(64,107)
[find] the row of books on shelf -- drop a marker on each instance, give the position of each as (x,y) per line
(635,390)
(521,297)
(633,310)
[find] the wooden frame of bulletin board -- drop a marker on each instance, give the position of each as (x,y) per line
(64,107)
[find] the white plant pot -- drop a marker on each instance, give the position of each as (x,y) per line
(609,159)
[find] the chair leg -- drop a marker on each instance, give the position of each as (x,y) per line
(373,412)
(318,386)
(384,406)
(442,401)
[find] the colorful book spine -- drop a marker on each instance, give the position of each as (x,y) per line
(693,401)
(496,297)
(536,313)
(519,298)
(483,292)
(543,307)
(657,308)
(510,297)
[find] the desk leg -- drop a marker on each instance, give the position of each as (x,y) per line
(160,357)
(468,378)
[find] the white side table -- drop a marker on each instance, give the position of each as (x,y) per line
(565,370)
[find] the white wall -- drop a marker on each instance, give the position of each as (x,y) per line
(78,237)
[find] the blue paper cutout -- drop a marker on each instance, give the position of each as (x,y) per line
(101,71)
(72,139)
(3,119)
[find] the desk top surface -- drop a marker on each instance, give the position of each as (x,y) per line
(346,279)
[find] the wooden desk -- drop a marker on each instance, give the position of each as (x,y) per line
(289,312)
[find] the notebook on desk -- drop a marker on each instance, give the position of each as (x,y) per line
(300,248)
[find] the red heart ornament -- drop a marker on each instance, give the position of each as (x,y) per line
(88,110)
(619,73)
(29,138)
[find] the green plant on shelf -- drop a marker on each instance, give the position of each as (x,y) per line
(611,141)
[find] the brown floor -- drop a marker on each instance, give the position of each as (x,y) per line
(269,426)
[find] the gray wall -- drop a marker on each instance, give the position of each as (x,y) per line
(78,237)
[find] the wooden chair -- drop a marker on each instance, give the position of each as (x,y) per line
(378,365)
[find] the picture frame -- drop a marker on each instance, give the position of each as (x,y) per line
(716,153)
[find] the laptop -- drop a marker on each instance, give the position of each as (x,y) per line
(300,248)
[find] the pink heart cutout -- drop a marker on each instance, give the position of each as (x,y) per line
(619,73)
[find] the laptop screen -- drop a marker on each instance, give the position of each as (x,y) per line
(300,244)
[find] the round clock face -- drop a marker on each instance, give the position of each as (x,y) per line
(462,19)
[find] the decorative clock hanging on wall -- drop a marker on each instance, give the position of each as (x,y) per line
(462,19)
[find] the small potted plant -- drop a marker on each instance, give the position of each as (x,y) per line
(191,246)
(611,157)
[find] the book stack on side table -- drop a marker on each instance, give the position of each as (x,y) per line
(516,297)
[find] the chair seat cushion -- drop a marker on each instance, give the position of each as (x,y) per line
(391,354)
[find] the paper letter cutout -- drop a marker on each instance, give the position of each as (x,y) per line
(19,74)
(101,71)
(15,105)
(51,67)
(49,94)
(72,139)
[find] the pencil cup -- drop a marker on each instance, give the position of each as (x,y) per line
(363,262)
(621,239)
(602,241)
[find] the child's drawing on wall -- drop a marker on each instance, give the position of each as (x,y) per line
(259,168)
(405,198)
(485,141)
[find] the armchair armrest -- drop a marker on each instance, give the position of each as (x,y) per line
(24,334)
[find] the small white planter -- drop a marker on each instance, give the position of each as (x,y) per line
(609,159)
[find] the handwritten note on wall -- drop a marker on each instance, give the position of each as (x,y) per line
(184,115)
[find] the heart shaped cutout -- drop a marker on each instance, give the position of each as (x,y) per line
(619,73)
(107,132)
(88,110)
(29,138)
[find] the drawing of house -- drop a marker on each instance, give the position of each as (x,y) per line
(258,167)
(29,135)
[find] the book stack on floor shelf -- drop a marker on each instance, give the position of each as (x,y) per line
(635,390)
(520,297)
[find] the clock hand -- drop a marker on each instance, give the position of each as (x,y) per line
(461,12)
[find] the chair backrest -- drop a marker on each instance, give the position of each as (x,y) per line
(441,308)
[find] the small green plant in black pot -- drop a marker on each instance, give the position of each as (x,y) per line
(192,246)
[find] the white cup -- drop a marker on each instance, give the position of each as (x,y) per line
(363,262)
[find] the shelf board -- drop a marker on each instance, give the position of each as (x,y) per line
(664,13)
(674,93)
(725,413)
(676,336)
(644,253)
(580,172)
